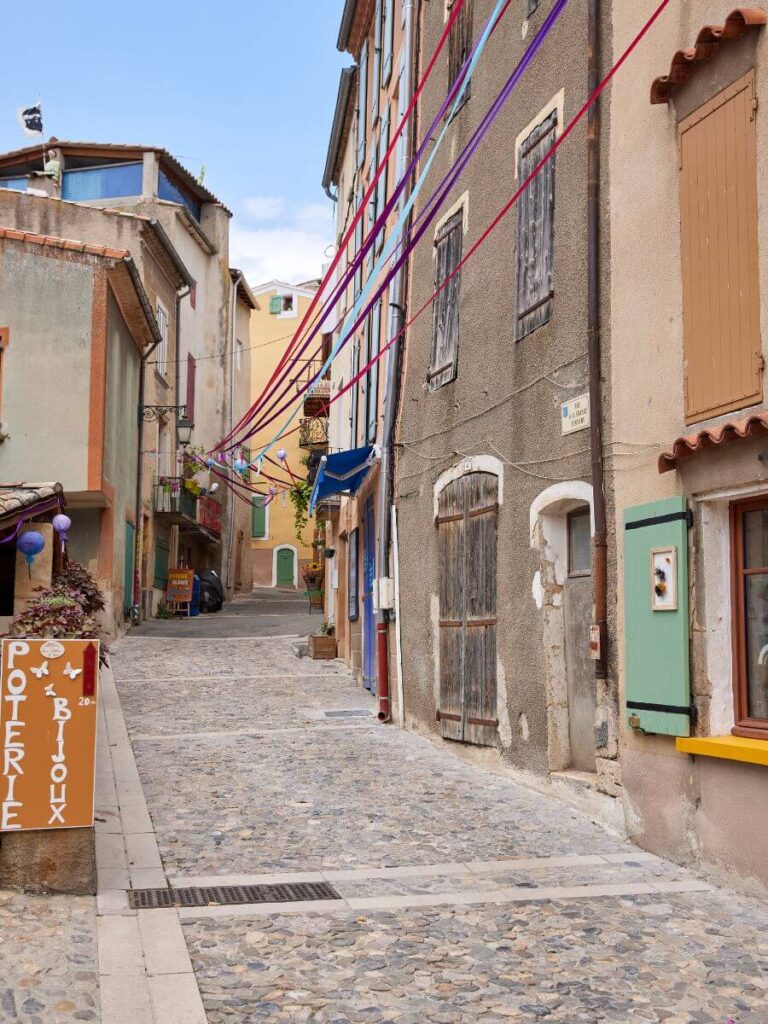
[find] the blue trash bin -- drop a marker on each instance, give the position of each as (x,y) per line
(195,606)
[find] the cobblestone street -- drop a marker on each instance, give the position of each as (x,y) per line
(462,896)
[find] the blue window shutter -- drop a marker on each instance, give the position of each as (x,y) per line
(383,183)
(275,304)
(657,655)
(377,41)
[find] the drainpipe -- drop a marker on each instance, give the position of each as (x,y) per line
(232,497)
(391,403)
(600,539)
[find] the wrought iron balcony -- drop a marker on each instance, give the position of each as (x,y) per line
(313,432)
(173,498)
(209,514)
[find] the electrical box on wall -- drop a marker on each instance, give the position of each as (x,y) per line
(656,620)
(385,590)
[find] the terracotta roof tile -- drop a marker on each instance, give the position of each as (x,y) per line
(708,41)
(733,430)
(70,244)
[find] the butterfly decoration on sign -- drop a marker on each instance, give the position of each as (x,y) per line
(73,673)
(41,671)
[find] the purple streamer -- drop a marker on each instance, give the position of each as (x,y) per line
(433,205)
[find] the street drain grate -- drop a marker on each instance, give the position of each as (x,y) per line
(356,713)
(230,895)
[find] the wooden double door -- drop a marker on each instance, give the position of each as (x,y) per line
(467,525)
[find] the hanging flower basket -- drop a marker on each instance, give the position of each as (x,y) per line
(312,574)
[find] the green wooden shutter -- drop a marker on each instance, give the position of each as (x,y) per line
(275,304)
(130,551)
(657,657)
(258,518)
(162,557)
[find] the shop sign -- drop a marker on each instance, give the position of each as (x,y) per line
(48,701)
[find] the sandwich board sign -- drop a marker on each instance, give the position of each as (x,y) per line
(180,586)
(48,702)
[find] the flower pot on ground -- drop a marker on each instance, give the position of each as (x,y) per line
(322,648)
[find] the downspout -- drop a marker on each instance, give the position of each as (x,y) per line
(232,496)
(600,538)
(391,403)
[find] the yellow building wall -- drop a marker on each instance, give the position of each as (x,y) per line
(270,336)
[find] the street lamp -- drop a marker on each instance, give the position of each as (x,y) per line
(184,428)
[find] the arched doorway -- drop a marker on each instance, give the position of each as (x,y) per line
(561,530)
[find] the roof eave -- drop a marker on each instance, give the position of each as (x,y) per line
(340,116)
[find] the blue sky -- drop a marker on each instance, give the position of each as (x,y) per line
(246,89)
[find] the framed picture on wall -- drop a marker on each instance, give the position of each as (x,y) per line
(664,579)
(353,587)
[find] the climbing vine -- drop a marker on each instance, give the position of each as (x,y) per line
(300,495)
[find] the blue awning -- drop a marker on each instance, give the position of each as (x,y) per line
(344,471)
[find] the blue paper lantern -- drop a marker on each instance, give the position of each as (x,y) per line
(30,543)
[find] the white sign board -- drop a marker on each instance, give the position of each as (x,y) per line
(575,414)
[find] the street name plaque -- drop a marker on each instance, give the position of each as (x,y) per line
(48,702)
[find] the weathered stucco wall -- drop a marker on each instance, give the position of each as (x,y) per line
(46,302)
(704,811)
(506,400)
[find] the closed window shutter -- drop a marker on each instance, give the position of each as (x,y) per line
(377,43)
(721,283)
(389,41)
(373,205)
(383,182)
(460,43)
(258,518)
(535,230)
(445,343)
(191,374)
(275,304)
(358,283)
(372,388)
(355,394)
(362,105)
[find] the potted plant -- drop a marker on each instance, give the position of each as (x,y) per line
(322,646)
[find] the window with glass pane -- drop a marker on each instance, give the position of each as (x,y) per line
(579,543)
(749,524)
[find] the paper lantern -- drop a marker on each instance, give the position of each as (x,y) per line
(282,454)
(61,524)
(30,544)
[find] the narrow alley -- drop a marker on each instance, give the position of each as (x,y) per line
(458,895)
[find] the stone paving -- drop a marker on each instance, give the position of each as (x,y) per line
(244,774)
(47,959)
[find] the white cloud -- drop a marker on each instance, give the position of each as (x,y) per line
(290,247)
(263,207)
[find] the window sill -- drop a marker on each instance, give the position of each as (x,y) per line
(729,748)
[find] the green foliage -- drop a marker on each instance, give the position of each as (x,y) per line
(76,583)
(65,610)
(300,495)
(327,629)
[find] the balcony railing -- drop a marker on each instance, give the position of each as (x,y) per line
(321,388)
(313,432)
(171,496)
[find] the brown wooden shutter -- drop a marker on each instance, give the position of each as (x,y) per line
(467,528)
(460,43)
(191,372)
(536,230)
(721,288)
(445,341)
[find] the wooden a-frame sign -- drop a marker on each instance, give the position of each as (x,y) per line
(48,702)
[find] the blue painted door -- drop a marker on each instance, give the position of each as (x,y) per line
(369,618)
